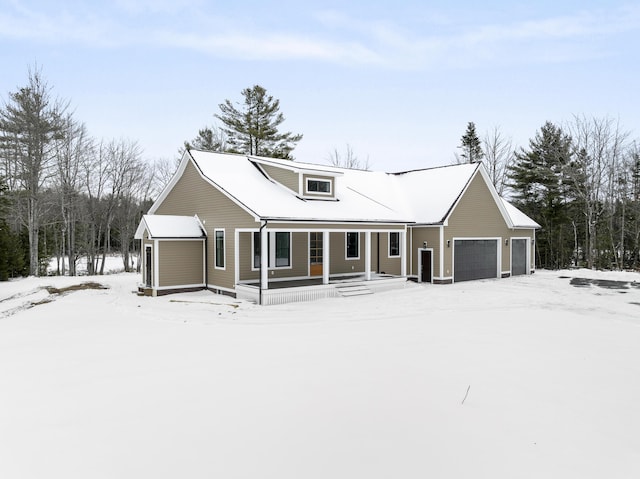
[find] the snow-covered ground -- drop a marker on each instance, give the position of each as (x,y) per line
(106,384)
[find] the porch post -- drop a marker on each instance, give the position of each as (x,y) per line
(367,256)
(325,257)
(264,258)
(403,253)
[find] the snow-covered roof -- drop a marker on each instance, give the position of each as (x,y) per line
(170,226)
(518,218)
(414,197)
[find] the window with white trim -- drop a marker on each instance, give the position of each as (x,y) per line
(219,239)
(353,245)
(316,185)
(394,244)
(278,249)
(283,249)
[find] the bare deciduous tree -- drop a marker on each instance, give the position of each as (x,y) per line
(348,160)
(29,124)
(499,156)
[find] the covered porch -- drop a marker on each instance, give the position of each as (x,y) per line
(298,262)
(296,290)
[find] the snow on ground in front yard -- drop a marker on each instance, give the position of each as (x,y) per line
(106,384)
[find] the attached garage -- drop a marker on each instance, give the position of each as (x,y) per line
(475,259)
(518,256)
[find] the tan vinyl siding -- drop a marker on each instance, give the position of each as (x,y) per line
(193,195)
(246,257)
(478,216)
(285,177)
(432,236)
(387,265)
(338,252)
(180,263)
(314,193)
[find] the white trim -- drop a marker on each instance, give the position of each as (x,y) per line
(186,157)
(410,236)
(156,264)
(326,258)
(420,250)
(224,249)
(403,252)
(353,258)
(307,192)
(367,256)
(399,255)
(180,286)
(492,190)
(442,247)
(146,266)
(236,256)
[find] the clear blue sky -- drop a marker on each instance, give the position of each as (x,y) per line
(397,80)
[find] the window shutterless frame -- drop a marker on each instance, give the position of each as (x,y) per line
(219,249)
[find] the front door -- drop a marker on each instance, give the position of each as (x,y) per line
(147,266)
(315,254)
(425,266)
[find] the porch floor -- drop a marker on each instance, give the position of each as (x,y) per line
(298,283)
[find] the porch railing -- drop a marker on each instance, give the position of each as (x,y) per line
(286,295)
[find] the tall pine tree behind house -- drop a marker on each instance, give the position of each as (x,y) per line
(252,127)
(541,191)
(470,145)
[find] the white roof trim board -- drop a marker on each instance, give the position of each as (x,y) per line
(424,197)
(170,226)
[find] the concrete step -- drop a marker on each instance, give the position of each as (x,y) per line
(347,290)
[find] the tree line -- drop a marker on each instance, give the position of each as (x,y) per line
(580,181)
(63,193)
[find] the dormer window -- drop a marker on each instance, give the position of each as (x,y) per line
(318,186)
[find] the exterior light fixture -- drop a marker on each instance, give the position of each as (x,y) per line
(506,241)
(448,243)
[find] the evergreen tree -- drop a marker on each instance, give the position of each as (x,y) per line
(252,128)
(12,251)
(29,125)
(470,145)
(541,191)
(208,139)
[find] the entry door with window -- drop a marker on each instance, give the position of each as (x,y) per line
(425,266)
(315,254)
(147,266)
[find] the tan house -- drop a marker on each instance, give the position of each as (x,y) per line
(276,230)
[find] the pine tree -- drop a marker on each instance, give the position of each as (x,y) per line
(252,128)
(208,139)
(470,145)
(541,191)
(29,125)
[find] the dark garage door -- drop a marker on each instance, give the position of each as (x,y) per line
(475,259)
(518,256)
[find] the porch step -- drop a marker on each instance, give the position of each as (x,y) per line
(347,290)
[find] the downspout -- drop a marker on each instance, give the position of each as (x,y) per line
(261,253)
(378,252)
(206,261)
